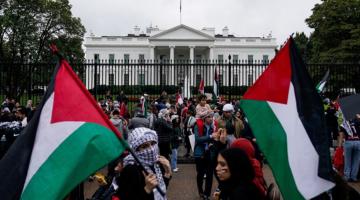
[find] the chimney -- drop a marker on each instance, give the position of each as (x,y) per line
(225,31)
(136,31)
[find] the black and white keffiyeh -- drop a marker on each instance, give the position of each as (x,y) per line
(147,157)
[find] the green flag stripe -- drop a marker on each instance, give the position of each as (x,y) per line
(271,138)
(89,148)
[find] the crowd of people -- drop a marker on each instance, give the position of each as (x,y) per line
(217,136)
(156,130)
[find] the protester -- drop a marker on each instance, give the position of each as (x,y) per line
(246,146)
(352,152)
(175,141)
(232,124)
(202,106)
(107,191)
(153,116)
(133,183)
(163,128)
(236,176)
(119,122)
(188,129)
(21,115)
(123,109)
(205,152)
(139,120)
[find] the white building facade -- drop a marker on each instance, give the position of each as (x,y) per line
(177,43)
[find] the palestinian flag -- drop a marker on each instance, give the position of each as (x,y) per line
(286,115)
(179,99)
(321,85)
(201,87)
(216,83)
(68,139)
(144,105)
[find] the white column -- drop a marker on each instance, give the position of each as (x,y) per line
(152,52)
(211,53)
(192,53)
(152,68)
(172,71)
(211,58)
(192,48)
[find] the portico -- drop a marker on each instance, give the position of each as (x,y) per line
(173,47)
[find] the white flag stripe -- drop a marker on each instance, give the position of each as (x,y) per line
(48,138)
(303,158)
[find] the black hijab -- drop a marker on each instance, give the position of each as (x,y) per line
(242,174)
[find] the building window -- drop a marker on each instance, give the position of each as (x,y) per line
(235,58)
(97,79)
(236,79)
(126,79)
(265,59)
(220,58)
(198,79)
(111,79)
(141,58)
(97,58)
(198,59)
(163,79)
(250,79)
(221,80)
(141,79)
(111,58)
(180,74)
(250,59)
(126,58)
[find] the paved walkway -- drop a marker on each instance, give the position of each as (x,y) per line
(183,184)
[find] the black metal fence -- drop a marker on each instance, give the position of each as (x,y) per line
(24,81)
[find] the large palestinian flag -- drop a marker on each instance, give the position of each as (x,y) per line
(67,140)
(286,115)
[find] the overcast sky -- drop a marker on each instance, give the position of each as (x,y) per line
(253,18)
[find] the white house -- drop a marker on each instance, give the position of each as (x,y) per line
(178,43)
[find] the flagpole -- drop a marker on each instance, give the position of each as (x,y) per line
(180,11)
(145,171)
(56,52)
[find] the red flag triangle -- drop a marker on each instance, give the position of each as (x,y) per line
(72,101)
(273,84)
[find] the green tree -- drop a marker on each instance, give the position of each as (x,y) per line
(336,36)
(27,28)
(303,45)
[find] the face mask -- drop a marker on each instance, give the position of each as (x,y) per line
(149,156)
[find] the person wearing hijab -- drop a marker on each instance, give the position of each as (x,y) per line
(236,176)
(133,183)
(248,148)
(163,128)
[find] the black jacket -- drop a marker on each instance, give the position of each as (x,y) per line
(241,191)
(163,129)
(131,184)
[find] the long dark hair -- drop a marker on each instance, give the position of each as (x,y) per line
(239,165)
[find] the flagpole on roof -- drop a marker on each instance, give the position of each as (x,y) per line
(180,11)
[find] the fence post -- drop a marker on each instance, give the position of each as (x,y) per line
(30,81)
(161,77)
(229,81)
(95,79)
